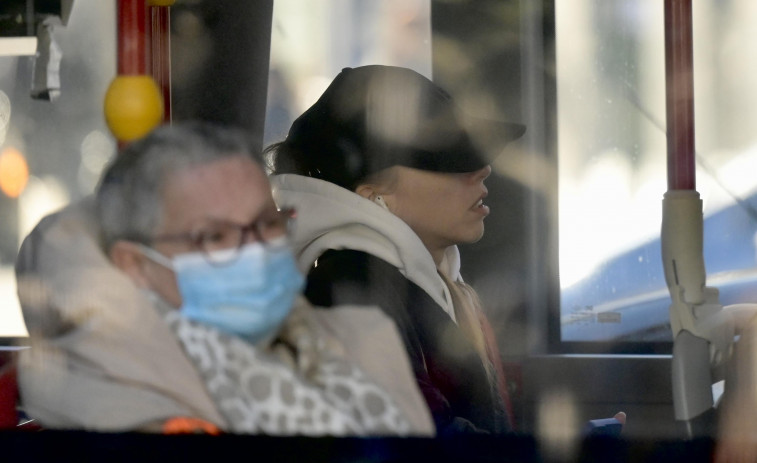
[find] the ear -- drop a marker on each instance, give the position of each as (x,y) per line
(127,256)
(366,191)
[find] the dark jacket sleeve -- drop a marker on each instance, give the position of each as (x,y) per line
(447,368)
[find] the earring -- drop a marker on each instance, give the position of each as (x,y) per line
(380,201)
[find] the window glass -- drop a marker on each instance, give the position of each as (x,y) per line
(312,41)
(612,161)
(62,144)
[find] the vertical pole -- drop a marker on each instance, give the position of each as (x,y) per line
(679,82)
(682,237)
(132,37)
(133,103)
(160,45)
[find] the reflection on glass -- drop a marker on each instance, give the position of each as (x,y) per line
(58,140)
(312,41)
(612,161)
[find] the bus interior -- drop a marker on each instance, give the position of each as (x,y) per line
(573,268)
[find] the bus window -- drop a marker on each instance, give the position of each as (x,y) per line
(64,142)
(612,165)
(312,41)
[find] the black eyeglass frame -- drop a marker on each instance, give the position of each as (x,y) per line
(198,238)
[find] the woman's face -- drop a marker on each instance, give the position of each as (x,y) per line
(442,208)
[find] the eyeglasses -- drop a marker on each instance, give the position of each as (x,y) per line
(230,236)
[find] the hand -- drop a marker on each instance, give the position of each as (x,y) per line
(606,426)
(621,416)
(737,435)
(298,333)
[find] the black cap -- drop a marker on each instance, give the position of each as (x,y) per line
(374,117)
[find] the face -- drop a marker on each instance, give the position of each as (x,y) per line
(442,208)
(230,190)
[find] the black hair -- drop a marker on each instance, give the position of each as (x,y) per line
(345,168)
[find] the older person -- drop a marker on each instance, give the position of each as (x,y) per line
(187,315)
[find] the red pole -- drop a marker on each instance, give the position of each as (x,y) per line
(132,37)
(160,41)
(133,102)
(679,82)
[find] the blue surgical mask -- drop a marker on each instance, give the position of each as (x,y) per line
(249,296)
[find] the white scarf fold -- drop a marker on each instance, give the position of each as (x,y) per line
(330,217)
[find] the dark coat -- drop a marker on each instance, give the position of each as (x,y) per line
(448,369)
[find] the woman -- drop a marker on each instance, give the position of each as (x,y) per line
(170,300)
(387,179)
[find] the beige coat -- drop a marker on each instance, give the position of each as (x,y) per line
(102,357)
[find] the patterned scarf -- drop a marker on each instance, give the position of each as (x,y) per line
(293,387)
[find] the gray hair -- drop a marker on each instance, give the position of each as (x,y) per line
(129,196)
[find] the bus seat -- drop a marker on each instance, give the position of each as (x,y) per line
(8,396)
(10,416)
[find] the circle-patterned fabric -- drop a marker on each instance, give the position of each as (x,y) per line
(259,392)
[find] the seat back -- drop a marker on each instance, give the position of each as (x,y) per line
(8,392)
